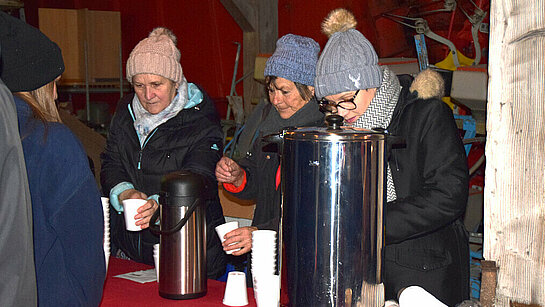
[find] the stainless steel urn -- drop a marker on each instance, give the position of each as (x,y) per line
(333,193)
(182,258)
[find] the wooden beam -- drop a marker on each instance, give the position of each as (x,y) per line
(268,25)
(251,86)
(258,20)
(514,194)
(244,12)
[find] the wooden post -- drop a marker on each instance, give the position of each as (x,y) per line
(258,20)
(488,283)
(514,195)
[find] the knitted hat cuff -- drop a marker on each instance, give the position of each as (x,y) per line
(288,73)
(358,78)
(153,63)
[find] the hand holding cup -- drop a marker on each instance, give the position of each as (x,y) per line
(144,212)
(239,241)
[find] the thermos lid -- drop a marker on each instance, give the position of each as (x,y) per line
(182,183)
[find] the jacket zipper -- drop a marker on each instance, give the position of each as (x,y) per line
(142,148)
(139,165)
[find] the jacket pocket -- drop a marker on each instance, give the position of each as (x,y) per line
(423,260)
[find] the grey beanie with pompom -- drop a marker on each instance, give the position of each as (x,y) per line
(348,61)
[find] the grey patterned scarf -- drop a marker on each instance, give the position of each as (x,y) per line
(379,114)
(145,122)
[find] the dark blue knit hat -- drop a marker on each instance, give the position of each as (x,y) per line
(294,59)
(30,59)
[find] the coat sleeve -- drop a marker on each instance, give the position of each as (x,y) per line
(250,164)
(439,181)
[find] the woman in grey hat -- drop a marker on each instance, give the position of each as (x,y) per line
(289,82)
(427,181)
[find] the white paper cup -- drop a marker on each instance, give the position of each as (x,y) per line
(156,259)
(105,201)
(235,290)
(418,296)
(130,207)
(106,247)
(223,229)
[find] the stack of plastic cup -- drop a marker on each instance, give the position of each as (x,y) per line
(106,212)
(266,283)
(235,290)
(156,259)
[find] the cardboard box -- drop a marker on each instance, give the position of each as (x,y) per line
(235,207)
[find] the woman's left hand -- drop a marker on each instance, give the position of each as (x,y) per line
(145,212)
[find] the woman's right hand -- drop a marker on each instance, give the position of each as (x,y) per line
(228,171)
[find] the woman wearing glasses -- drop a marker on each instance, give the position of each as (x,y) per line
(427,181)
(289,82)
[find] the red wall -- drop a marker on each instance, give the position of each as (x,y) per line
(206,31)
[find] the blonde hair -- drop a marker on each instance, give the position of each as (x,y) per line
(42,102)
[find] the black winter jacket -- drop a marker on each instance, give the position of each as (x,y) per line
(426,243)
(192,140)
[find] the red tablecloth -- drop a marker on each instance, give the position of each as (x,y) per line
(124,292)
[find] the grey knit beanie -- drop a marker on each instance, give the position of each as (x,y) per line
(349,61)
(294,59)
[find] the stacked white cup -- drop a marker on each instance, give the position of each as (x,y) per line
(266,283)
(106,240)
(156,259)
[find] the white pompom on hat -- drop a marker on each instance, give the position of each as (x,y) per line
(157,54)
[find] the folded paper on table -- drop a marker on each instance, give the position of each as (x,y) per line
(142,277)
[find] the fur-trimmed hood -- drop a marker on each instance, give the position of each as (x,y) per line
(428,84)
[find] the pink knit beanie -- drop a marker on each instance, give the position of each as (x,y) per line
(157,54)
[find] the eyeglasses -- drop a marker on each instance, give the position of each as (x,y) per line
(328,106)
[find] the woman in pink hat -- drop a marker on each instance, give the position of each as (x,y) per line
(167,125)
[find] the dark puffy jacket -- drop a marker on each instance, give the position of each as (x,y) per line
(191,140)
(426,243)
(261,166)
